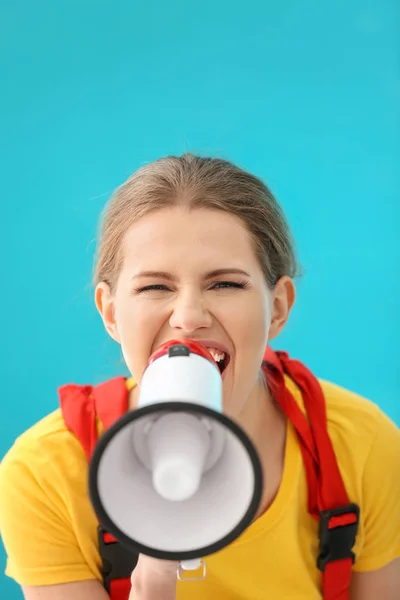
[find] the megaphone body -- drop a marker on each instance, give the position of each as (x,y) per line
(176,479)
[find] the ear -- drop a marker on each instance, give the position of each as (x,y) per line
(105,304)
(284,296)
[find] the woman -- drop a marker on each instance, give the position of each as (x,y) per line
(196,248)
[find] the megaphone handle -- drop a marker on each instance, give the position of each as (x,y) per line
(191,565)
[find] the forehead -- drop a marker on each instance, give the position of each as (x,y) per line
(199,235)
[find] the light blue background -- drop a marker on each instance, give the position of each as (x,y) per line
(304,94)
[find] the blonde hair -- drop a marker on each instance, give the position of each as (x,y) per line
(196,182)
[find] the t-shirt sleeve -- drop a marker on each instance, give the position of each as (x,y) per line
(381,499)
(39,540)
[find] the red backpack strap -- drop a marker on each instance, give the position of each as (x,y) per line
(80,406)
(78,411)
(111,400)
(327,497)
(118,564)
(120,589)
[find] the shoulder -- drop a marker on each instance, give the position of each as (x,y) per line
(363,436)
(43,430)
(350,414)
(352,420)
(49,443)
(44,455)
(339,399)
(358,427)
(355,419)
(47,436)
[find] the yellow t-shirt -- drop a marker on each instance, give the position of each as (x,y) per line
(49,528)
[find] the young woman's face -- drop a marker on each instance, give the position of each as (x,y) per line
(194,275)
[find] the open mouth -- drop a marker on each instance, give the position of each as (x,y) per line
(221,358)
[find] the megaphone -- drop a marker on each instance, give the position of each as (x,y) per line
(176,479)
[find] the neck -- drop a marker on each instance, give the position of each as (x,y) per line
(261,417)
(265,424)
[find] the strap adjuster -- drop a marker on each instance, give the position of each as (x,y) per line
(118,562)
(337,534)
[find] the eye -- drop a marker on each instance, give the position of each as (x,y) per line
(152,288)
(221,285)
(218,285)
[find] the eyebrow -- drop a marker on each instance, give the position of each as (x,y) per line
(171,277)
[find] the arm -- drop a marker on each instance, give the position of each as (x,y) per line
(154,579)
(382,584)
(151,580)
(80,590)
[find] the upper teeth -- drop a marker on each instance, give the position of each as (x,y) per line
(216,354)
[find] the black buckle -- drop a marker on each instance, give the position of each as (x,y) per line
(118,562)
(336,541)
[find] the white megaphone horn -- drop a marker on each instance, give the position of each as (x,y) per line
(175,478)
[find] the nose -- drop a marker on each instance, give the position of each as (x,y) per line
(190,314)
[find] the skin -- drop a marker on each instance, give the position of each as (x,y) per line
(188,305)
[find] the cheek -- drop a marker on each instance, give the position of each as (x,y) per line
(138,327)
(248,329)
(253,324)
(253,338)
